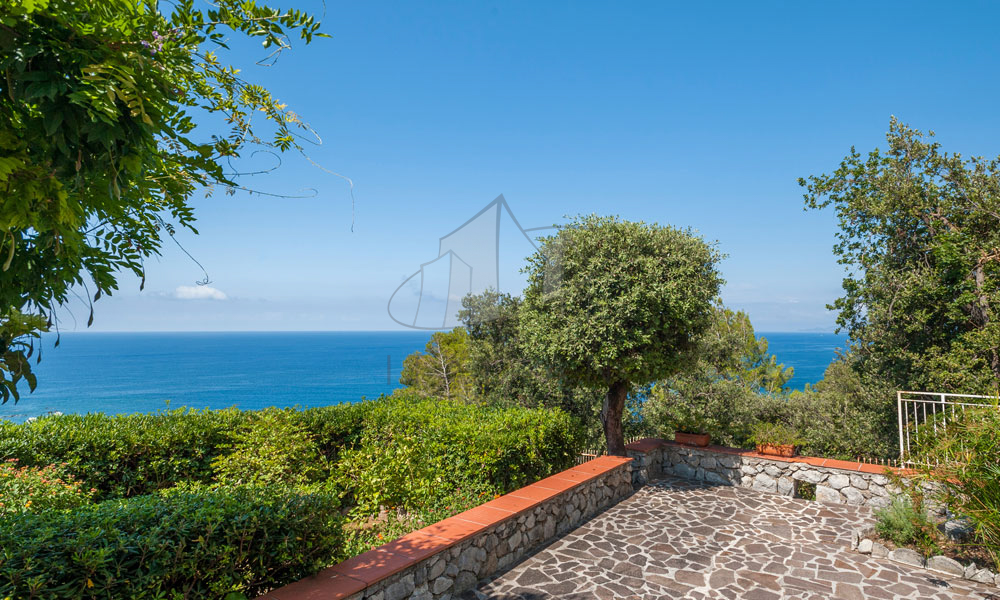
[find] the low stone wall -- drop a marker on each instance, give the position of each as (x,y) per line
(449,557)
(836,481)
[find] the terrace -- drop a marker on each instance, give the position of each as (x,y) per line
(667,522)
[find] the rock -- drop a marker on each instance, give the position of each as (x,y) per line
(772,470)
(859,482)
(865,546)
(838,481)
(879,550)
(828,494)
(809,475)
(970,570)
(945,565)
(907,557)
(984,576)
(685,471)
(786,486)
(441,584)
(957,529)
(854,497)
(399,590)
(465,581)
(764,483)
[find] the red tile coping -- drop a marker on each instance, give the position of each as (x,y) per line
(649,444)
(355,574)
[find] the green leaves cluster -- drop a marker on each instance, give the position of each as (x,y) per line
(443,370)
(99,151)
(920,239)
(201,543)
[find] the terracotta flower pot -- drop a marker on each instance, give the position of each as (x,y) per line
(785,450)
(692,439)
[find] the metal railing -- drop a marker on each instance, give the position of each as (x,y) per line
(919,408)
(589,455)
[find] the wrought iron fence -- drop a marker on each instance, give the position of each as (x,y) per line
(916,409)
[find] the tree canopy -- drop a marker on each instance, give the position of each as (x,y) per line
(99,147)
(611,304)
(443,370)
(920,239)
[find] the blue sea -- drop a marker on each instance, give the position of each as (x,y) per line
(144,372)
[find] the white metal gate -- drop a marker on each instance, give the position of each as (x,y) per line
(917,408)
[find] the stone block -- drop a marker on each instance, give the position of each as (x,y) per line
(984,576)
(865,546)
(879,550)
(838,481)
(854,497)
(828,494)
(945,565)
(907,557)
(786,486)
(859,482)
(764,483)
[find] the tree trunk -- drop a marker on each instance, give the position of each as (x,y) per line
(611,418)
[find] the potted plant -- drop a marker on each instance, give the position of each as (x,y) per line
(690,430)
(775,439)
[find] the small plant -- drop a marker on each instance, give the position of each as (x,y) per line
(274,449)
(775,434)
(904,523)
(805,490)
(691,423)
(30,489)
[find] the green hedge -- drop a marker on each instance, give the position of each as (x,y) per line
(137,454)
(417,452)
(200,543)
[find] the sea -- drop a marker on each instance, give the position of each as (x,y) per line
(145,372)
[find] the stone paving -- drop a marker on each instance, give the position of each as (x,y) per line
(677,538)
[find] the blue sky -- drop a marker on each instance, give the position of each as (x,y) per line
(700,115)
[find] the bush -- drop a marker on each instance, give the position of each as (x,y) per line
(275,448)
(203,543)
(31,489)
(906,524)
(415,452)
(137,454)
(125,455)
(775,434)
(966,455)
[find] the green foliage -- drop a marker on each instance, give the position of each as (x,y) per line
(919,238)
(612,304)
(775,434)
(905,524)
(125,455)
(503,372)
(32,489)
(846,415)
(18,334)
(188,544)
(443,371)
(99,152)
(732,384)
(418,453)
(272,449)
(965,453)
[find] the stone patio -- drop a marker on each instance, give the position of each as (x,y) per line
(677,538)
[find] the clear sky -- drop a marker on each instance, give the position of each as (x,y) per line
(701,115)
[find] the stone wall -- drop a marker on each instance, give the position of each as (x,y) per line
(445,559)
(837,482)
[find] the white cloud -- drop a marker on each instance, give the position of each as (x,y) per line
(198,292)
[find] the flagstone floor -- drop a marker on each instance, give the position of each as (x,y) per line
(681,539)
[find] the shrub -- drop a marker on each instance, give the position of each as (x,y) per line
(274,448)
(966,455)
(30,489)
(136,454)
(905,524)
(415,452)
(775,434)
(125,455)
(199,543)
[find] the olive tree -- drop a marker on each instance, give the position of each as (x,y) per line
(613,304)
